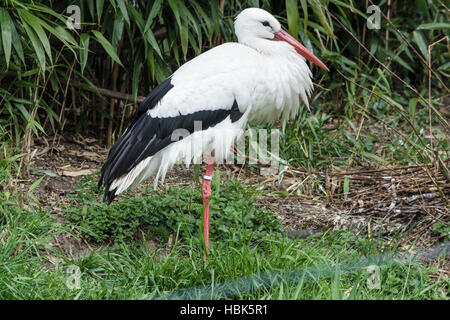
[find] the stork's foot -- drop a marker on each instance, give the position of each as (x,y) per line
(206,194)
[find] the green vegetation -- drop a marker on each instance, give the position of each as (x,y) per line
(326,266)
(176,211)
(383,103)
(443,230)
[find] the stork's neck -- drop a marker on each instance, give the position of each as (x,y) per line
(284,78)
(268,47)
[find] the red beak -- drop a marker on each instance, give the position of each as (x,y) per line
(284,36)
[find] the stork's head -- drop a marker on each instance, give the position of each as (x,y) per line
(255,27)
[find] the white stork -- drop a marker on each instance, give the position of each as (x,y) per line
(258,79)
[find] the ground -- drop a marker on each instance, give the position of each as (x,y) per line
(401,205)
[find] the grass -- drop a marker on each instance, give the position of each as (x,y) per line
(248,260)
(374,136)
(165,213)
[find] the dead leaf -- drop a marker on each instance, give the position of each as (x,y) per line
(77,173)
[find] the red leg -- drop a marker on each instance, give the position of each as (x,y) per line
(206,193)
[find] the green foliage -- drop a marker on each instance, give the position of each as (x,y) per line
(33,265)
(24,235)
(33,39)
(322,266)
(443,230)
(178,210)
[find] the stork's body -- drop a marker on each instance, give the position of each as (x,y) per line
(258,79)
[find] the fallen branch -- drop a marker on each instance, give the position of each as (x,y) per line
(111,93)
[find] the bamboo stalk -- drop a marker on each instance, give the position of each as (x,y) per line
(387,29)
(103,101)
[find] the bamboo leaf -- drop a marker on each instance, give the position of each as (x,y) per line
(27,74)
(40,54)
(123,9)
(91,9)
(17,43)
(41,172)
(36,125)
(148,35)
(99,4)
(107,46)
(175,11)
(207,26)
(422,5)
(151,64)
(445,67)
(156,8)
(292,17)
(84,50)
(35,23)
(193,44)
(152,40)
(383,78)
(420,41)
(117,29)
(14,157)
(412,108)
(137,17)
(64,36)
(392,101)
(61,33)
(24,111)
(434,26)
(305,14)
(184,35)
(318,11)
(113,3)
(348,6)
(402,62)
(215,13)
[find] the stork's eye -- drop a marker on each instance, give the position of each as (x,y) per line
(266,23)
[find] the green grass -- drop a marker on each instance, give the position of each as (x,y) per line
(178,210)
(249,259)
(323,137)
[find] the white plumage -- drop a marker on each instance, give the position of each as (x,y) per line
(257,79)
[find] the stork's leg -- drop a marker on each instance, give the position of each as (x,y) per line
(206,193)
